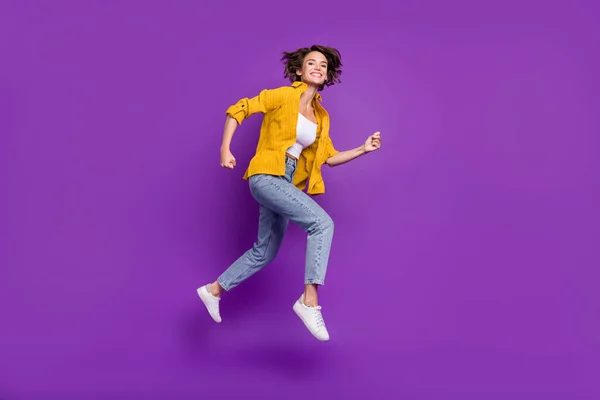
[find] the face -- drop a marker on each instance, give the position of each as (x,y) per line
(314,69)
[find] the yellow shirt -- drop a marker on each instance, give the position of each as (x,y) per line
(281,107)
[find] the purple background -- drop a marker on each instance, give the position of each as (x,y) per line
(465,258)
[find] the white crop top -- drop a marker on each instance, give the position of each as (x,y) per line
(306,134)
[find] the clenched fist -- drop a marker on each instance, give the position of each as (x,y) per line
(373,142)
(227,159)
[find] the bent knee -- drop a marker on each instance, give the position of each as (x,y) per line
(325,223)
(263,254)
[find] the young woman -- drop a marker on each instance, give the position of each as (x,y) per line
(293,144)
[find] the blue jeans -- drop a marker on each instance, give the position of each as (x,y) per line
(280,202)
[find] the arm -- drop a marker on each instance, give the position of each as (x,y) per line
(230,127)
(227,159)
(265,101)
(345,156)
(336,158)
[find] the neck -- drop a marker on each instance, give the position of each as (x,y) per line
(308,95)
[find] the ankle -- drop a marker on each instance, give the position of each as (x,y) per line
(215,289)
(310,301)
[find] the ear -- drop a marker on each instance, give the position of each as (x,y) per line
(299,72)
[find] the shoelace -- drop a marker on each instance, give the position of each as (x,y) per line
(318,316)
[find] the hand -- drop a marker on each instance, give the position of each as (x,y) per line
(373,142)
(227,159)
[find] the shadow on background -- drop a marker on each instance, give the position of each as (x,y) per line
(282,346)
(289,360)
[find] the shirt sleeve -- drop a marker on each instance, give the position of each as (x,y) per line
(329,148)
(265,101)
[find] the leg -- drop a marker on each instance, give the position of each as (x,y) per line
(271,230)
(311,297)
(285,199)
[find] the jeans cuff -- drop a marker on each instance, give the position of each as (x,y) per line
(224,286)
(313,282)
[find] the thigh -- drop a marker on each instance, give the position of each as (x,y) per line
(282,197)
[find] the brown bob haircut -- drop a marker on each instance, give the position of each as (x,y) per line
(294,61)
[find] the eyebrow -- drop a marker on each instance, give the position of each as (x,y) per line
(312,59)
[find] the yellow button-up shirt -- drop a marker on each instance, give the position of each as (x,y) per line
(281,107)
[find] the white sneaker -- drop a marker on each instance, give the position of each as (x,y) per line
(312,318)
(211,302)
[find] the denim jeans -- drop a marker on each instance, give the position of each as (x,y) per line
(280,202)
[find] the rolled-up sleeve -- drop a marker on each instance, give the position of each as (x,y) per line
(244,108)
(330,150)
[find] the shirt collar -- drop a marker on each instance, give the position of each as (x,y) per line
(304,86)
